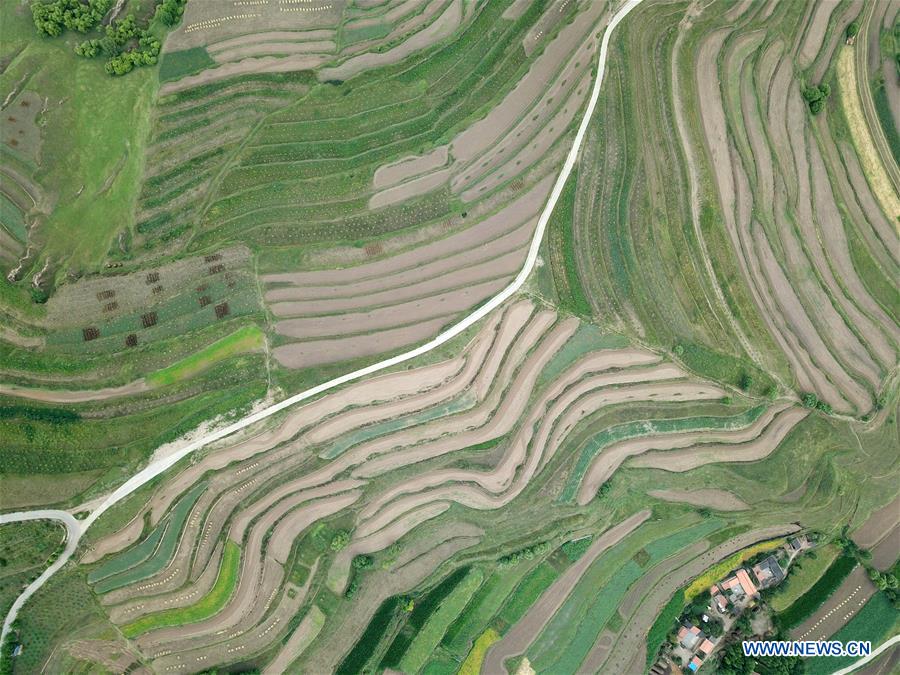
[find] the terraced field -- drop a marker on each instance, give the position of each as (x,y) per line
(697,361)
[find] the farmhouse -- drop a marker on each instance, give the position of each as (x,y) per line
(739,587)
(768,572)
(689,636)
(719,599)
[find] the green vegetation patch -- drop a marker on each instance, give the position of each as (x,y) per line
(663,625)
(358,656)
(159,556)
(481,609)
(436,626)
(375,31)
(587,338)
(563,260)
(804,572)
(26,549)
(621,432)
(567,639)
(527,592)
(422,610)
(175,65)
(576,548)
(12,219)
(246,339)
(208,606)
(810,601)
(725,368)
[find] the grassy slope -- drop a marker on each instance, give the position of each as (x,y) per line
(248,338)
(101,121)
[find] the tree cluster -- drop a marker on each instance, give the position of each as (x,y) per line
(815,97)
(127,46)
(524,554)
(169,12)
(52,18)
(810,400)
(363,562)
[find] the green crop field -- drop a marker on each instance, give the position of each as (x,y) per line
(208,605)
(877,619)
(431,633)
(805,572)
(818,593)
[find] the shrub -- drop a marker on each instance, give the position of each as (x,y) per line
(340,540)
(815,97)
(363,562)
(852,29)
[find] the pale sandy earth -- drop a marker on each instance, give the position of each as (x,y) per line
(504,266)
(406,282)
(546,78)
(300,639)
(267,64)
(845,394)
(524,632)
(366,541)
(879,330)
(520,211)
(822,62)
(292,36)
(846,601)
(502,417)
(886,664)
(250,511)
(409,167)
(323,48)
(886,552)
(815,33)
(611,457)
(516,316)
(883,229)
(331,350)
(284,534)
(410,189)
(874,170)
(751,451)
(258,578)
(550,133)
(441,28)
(878,524)
(383,388)
(720,500)
(500,478)
(250,637)
(74,396)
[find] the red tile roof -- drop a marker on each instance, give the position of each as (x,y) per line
(744,580)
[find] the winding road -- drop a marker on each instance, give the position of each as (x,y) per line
(75,529)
